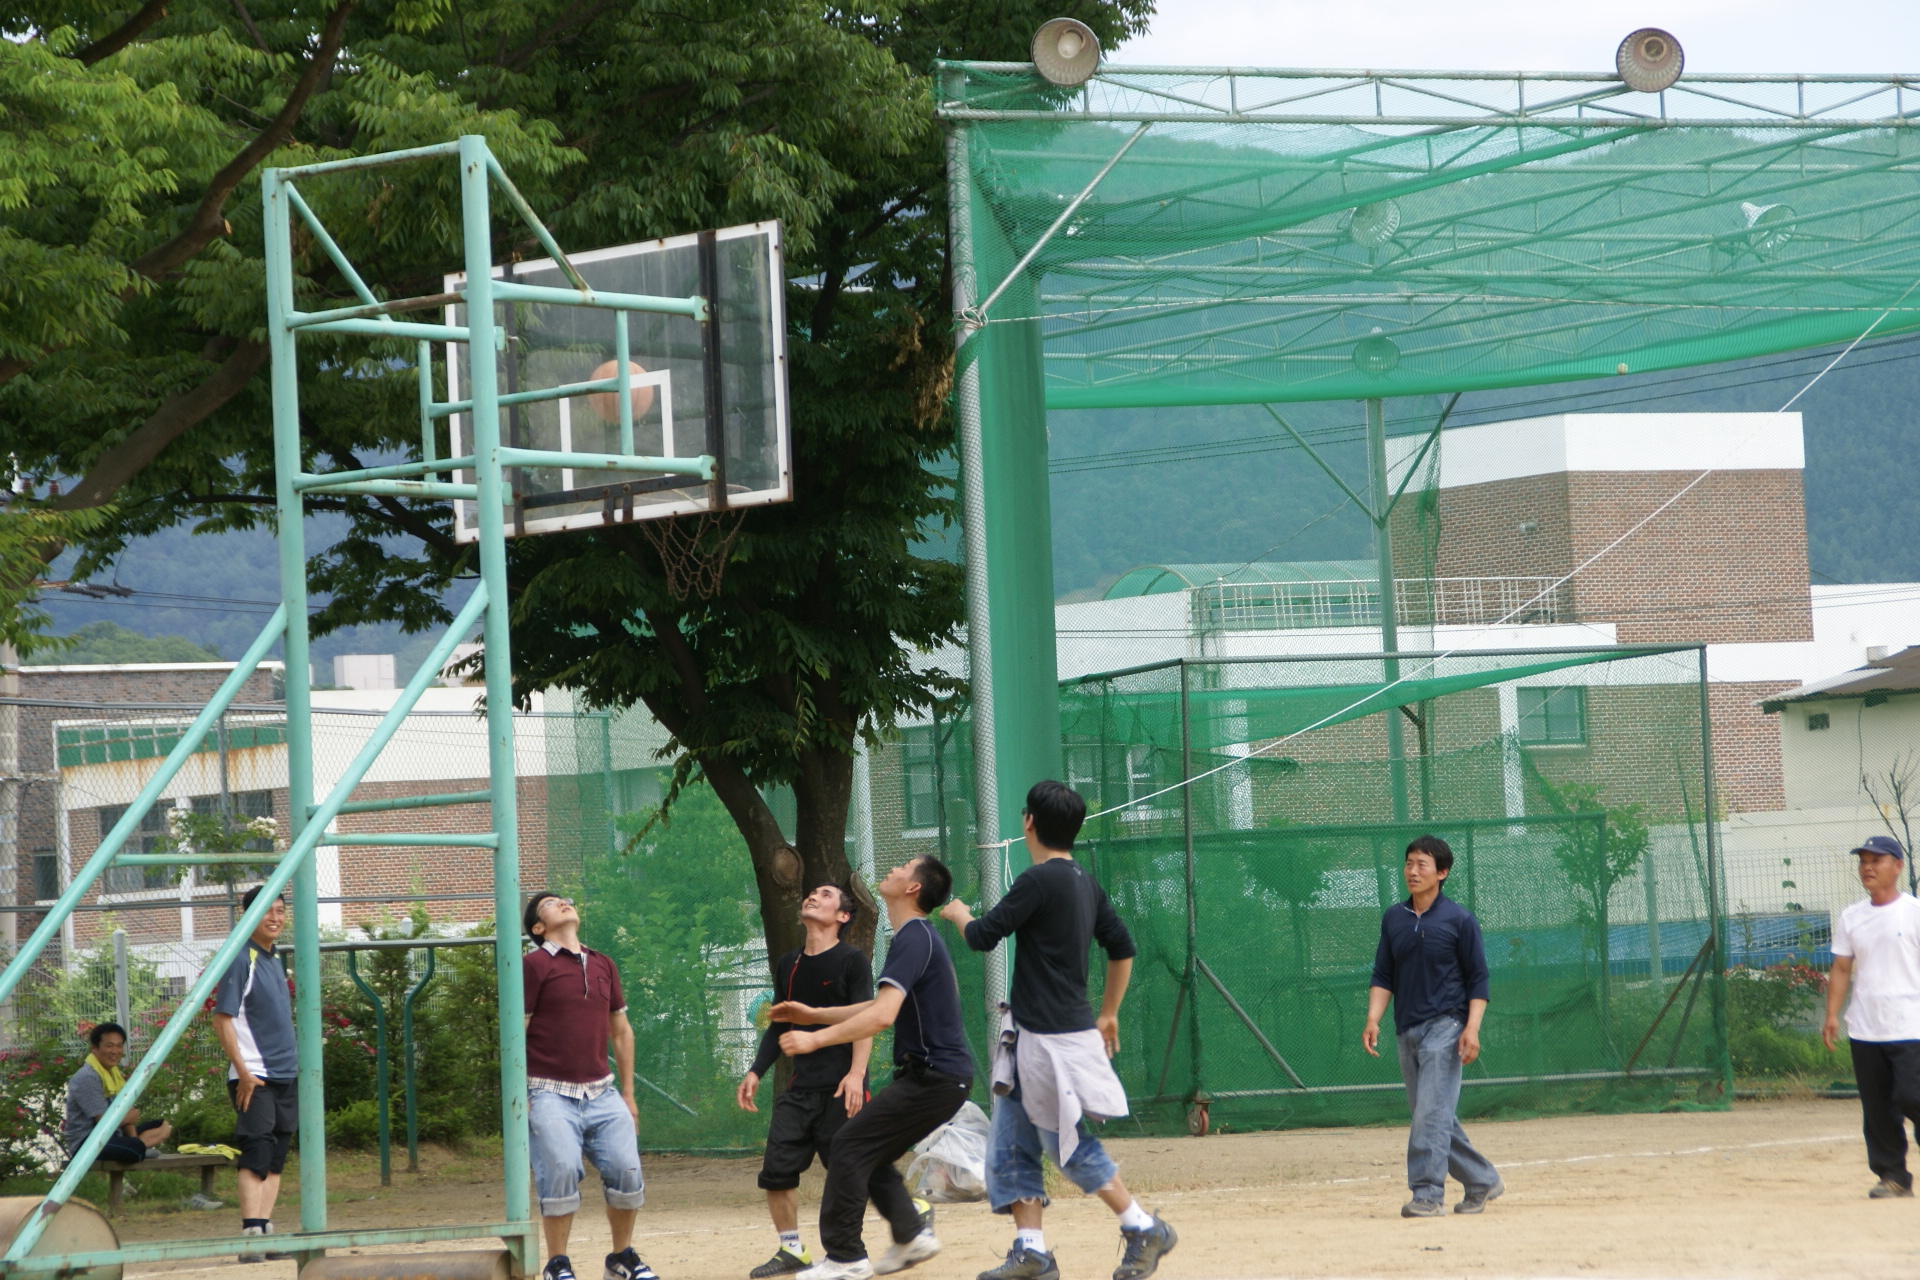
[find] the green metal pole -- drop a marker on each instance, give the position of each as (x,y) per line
(293,595)
(483,373)
(1716,908)
(1382,494)
(382,1079)
(406,1042)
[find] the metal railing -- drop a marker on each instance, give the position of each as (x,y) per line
(1295,606)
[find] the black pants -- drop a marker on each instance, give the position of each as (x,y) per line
(1888,1073)
(864,1150)
(805,1122)
(127,1149)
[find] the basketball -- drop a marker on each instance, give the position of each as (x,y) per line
(607,403)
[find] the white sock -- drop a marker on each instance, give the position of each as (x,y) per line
(1033,1240)
(1134,1218)
(790,1240)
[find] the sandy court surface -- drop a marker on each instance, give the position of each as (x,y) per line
(1767,1190)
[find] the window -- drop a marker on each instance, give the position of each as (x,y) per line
(244,806)
(46,876)
(920,777)
(1083,773)
(146,838)
(1817,721)
(1553,717)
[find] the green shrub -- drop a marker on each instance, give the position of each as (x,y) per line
(356,1125)
(1767,1010)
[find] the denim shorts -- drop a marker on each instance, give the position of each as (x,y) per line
(1014,1148)
(563,1130)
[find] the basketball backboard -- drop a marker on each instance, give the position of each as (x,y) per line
(739,271)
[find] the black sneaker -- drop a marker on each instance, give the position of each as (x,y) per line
(1144,1249)
(1024,1264)
(1475,1201)
(784,1262)
(559,1267)
(626,1265)
(1422,1209)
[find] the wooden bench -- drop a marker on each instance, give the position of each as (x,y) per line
(173,1161)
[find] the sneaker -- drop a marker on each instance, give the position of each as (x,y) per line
(1888,1189)
(1024,1264)
(925,1209)
(1144,1249)
(899,1257)
(1476,1201)
(1422,1209)
(261,1257)
(559,1267)
(626,1265)
(784,1262)
(829,1269)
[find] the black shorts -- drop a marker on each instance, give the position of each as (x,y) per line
(803,1125)
(265,1129)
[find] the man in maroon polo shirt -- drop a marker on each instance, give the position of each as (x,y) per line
(575,1014)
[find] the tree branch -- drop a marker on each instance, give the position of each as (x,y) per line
(129,31)
(246,20)
(120,464)
(579,16)
(208,220)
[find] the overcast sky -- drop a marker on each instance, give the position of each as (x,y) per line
(1530,35)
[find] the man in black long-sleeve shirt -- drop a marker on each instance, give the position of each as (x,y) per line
(1432,964)
(827,1086)
(1055,911)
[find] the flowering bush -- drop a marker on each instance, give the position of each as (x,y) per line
(1768,1012)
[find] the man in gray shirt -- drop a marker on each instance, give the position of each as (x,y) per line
(253,1016)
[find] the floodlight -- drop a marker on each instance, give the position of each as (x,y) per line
(1372,225)
(1650,60)
(1376,353)
(1769,227)
(1066,52)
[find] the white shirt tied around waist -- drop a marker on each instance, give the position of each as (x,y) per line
(1062,1078)
(1885,945)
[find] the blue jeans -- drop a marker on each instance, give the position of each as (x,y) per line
(1436,1144)
(562,1130)
(1014,1147)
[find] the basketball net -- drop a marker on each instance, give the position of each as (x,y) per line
(694,549)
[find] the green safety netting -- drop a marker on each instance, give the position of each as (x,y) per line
(1338,256)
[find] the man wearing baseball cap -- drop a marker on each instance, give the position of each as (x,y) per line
(1876,952)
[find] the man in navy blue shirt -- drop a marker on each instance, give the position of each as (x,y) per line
(1432,965)
(919,997)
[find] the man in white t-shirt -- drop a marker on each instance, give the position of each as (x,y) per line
(1876,951)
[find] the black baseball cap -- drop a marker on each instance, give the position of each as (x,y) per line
(1881,844)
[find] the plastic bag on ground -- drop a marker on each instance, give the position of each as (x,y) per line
(950,1164)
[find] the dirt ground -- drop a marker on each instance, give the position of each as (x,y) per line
(1773,1189)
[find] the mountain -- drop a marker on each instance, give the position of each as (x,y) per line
(108,643)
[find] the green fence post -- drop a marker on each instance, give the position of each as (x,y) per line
(276,194)
(406,1043)
(476,229)
(381,1083)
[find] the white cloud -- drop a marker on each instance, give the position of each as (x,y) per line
(1532,35)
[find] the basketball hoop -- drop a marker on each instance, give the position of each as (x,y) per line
(693,549)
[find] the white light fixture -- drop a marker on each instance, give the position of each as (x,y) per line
(1066,52)
(1650,60)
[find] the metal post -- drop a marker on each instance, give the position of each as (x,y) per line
(382,1079)
(1186,830)
(1656,968)
(122,1003)
(406,1048)
(483,373)
(293,598)
(1382,504)
(1716,913)
(973,527)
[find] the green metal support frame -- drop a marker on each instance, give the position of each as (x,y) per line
(382,1083)
(486,608)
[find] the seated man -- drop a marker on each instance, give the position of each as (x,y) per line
(93,1087)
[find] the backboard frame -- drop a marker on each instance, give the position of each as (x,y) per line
(627,498)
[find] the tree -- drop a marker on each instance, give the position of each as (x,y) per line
(1896,795)
(622,120)
(1598,848)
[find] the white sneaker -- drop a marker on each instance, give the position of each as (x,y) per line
(828,1269)
(899,1257)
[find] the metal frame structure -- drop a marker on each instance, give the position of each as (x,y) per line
(479,175)
(1403,130)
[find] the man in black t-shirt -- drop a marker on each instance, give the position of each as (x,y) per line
(827,1086)
(919,997)
(1054,1068)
